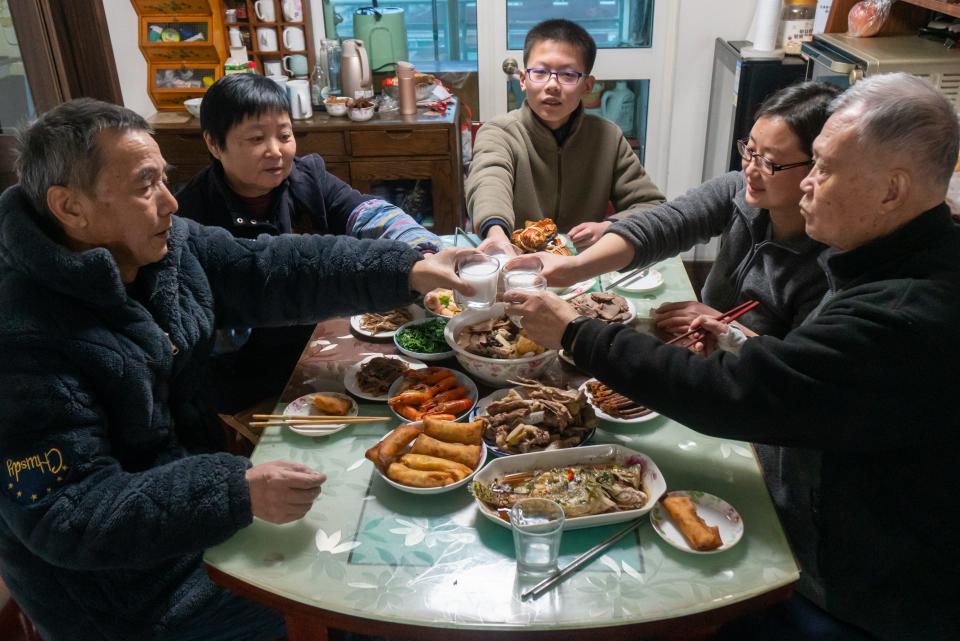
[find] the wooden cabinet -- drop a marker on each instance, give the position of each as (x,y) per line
(184,44)
(389,155)
(278,31)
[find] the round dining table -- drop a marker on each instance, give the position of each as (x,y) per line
(373,559)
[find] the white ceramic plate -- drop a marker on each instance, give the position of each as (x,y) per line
(651,281)
(653,481)
(415,310)
(423,356)
(566,293)
(713,510)
(613,419)
(303,407)
(462,379)
(631,309)
(350,376)
(437,490)
(480,409)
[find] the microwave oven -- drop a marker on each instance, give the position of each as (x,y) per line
(842,60)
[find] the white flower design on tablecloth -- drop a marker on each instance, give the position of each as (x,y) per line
(726,449)
(416,531)
(331,543)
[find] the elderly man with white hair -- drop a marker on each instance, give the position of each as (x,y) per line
(858,398)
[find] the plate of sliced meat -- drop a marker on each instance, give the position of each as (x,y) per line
(381,326)
(605,306)
(614,407)
(372,377)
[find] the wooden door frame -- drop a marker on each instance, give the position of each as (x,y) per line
(70,56)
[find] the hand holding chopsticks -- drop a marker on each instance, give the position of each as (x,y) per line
(698,334)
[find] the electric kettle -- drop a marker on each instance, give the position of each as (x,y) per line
(354,68)
(384,31)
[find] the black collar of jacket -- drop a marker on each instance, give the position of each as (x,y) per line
(91,276)
(916,237)
(757,221)
(220,191)
(535,125)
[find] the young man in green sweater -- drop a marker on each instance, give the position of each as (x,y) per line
(548,159)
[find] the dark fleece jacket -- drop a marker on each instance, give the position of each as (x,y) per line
(104,513)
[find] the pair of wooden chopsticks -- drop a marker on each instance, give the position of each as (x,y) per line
(695,335)
(269,420)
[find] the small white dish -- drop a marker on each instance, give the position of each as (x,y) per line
(713,511)
(415,310)
(653,481)
(193,106)
(572,291)
(437,490)
(336,108)
(462,380)
(423,356)
(651,281)
(360,115)
(304,407)
(613,419)
(350,376)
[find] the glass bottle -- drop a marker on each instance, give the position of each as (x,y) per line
(318,85)
(796,25)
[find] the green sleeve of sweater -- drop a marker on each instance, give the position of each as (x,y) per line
(489,185)
(633,189)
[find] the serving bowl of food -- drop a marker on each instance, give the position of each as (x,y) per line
(336,105)
(596,485)
(372,377)
(441,302)
(429,456)
(533,417)
(491,348)
(436,392)
(423,339)
(605,306)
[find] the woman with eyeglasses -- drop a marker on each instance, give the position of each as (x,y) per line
(764,254)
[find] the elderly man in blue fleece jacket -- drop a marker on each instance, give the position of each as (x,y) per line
(859,398)
(110,304)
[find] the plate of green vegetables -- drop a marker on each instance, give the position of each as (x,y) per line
(423,339)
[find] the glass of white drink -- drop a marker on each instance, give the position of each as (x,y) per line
(523,273)
(482,272)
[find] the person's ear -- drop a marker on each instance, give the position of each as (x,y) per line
(523,80)
(588,83)
(68,206)
(212,147)
(897,185)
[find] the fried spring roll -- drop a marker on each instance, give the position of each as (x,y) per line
(418,478)
(469,455)
(391,446)
(453,432)
(432,463)
(698,534)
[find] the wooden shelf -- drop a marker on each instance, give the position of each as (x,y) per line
(951,9)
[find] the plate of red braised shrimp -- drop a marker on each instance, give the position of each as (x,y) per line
(436,392)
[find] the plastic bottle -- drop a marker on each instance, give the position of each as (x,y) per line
(407,88)
(796,25)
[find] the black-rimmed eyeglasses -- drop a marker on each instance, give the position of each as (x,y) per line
(539,75)
(766,165)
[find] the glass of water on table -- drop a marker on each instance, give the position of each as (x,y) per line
(537,525)
(524,273)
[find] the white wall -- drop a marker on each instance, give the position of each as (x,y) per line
(131,65)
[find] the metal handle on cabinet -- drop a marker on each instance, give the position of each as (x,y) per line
(510,67)
(397,135)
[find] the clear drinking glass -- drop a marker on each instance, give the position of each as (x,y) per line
(537,525)
(482,272)
(523,273)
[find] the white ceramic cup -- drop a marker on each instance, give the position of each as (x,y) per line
(300,105)
(273,68)
(235,40)
(293,39)
(292,10)
(265,10)
(267,38)
(295,65)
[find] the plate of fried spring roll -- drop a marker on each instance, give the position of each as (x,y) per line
(696,522)
(430,456)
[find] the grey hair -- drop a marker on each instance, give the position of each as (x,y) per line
(899,111)
(60,148)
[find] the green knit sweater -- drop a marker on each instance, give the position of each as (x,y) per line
(520,173)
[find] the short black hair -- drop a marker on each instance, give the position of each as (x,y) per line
(562,31)
(805,107)
(236,97)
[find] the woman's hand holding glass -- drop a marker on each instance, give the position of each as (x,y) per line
(545,315)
